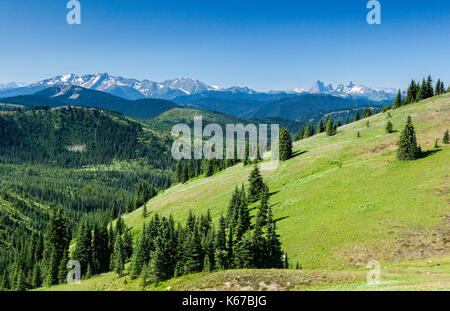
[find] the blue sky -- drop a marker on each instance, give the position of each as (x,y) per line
(260,44)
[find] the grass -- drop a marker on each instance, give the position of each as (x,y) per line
(412,275)
(344,200)
(331,217)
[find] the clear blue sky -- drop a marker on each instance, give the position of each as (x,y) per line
(261,44)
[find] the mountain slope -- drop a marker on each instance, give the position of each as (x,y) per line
(78,96)
(294,108)
(76,136)
(322,223)
(166,120)
(340,202)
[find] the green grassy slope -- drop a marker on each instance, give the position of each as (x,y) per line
(338,217)
(330,216)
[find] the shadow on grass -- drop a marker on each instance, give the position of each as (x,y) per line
(273,193)
(429,153)
(296,154)
(280,219)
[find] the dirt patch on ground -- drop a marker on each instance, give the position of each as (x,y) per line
(405,245)
(274,280)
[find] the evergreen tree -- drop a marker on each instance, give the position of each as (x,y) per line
(179,172)
(21,284)
(100,248)
(209,168)
(422,91)
(398,100)
(330,129)
(83,249)
(389,127)
(263,207)
(437,90)
(56,241)
(194,253)
(256,185)
(36,279)
(411,94)
(185,173)
(357,117)
(273,251)
(62,269)
(191,169)
(127,244)
(243,224)
(429,87)
(243,253)
(144,211)
(259,243)
(368,111)
(220,255)
(118,256)
(445,139)
(285,144)
(407,145)
(246,153)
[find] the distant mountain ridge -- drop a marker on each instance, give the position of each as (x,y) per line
(178,88)
(60,95)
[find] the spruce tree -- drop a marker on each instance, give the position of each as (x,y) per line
(319,127)
(83,250)
(429,87)
(179,172)
(127,244)
(285,144)
(144,211)
(220,255)
(118,256)
(36,279)
(398,100)
(357,117)
(330,129)
(389,127)
(100,249)
(437,90)
(273,250)
(263,207)
(243,253)
(256,185)
(445,139)
(407,145)
(56,241)
(185,177)
(243,224)
(246,154)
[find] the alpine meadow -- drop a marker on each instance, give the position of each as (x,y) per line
(217,155)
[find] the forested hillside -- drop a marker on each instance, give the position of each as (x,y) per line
(396,212)
(64,95)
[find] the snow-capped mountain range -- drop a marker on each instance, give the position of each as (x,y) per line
(170,89)
(351,89)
